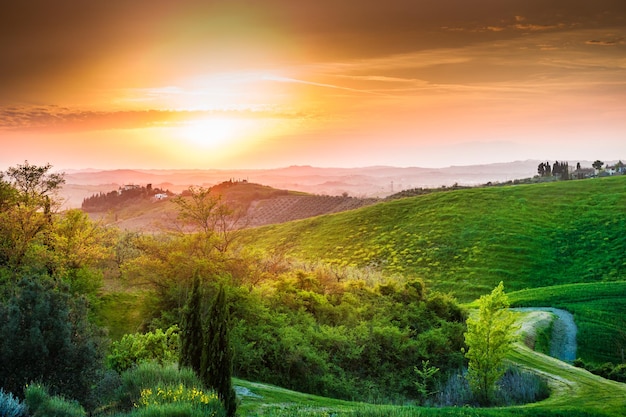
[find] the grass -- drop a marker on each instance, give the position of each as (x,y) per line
(466,241)
(120,312)
(599,311)
(557,244)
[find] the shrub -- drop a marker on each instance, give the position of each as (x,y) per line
(150,376)
(41,404)
(132,349)
(521,387)
(11,406)
(34,396)
(516,387)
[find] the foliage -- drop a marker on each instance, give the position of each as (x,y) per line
(424,377)
(11,406)
(103,202)
(168,394)
(203,210)
(216,366)
(41,404)
(606,370)
(132,349)
(27,202)
(489,337)
(45,336)
(149,376)
(79,246)
(349,340)
(192,332)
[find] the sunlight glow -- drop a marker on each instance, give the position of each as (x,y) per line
(214,132)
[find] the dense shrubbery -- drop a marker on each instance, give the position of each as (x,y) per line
(132,349)
(41,404)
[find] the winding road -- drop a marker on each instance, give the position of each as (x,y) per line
(563,340)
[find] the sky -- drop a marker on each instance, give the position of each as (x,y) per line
(201,84)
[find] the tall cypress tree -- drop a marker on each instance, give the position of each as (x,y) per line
(191,338)
(217,357)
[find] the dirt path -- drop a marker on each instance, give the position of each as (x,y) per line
(563,341)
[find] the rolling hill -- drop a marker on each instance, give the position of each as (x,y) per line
(539,236)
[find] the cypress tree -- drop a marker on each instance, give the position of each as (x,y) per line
(217,357)
(191,338)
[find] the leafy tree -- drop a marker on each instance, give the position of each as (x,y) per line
(597,164)
(45,336)
(217,356)
(489,337)
(203,210)
(79,245)
(27,199)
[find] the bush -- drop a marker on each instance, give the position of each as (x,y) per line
(132,349)
(41,404)
(516,387)
(521,387)
(11,406)
(150,376)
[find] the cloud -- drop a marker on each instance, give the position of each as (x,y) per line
(63,119)
(606,42)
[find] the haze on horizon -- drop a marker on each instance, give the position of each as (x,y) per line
(244,84)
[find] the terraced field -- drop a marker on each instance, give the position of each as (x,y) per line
(294,207)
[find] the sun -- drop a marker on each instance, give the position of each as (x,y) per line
(215,132)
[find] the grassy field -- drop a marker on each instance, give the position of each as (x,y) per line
(466,241)
(599,311)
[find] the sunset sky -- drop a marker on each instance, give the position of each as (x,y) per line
(329,83)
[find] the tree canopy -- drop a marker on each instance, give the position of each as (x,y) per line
(489,336)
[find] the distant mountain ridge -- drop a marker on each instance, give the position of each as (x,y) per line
(374,181)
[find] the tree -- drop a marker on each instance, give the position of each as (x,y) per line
(191,337)
(79,246)
(27,200)
(45,336)
(597,164)
(203,210)
(217,356)
(489,337)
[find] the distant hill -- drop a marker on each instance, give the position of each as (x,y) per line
(136,208)
(376,182)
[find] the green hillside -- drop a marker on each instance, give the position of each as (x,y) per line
(466,241)
(599,310)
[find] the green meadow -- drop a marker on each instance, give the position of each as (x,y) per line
(466,241)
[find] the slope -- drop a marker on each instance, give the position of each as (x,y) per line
(466,241)
(575,392)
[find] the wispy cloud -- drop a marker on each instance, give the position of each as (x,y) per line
(606,42)
(55,118)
